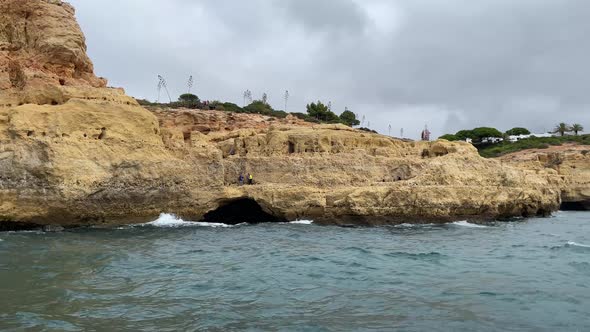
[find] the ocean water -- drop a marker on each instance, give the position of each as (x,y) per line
(171,275)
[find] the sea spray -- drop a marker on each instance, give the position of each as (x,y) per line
(167,220)
(301,222)
(464,223)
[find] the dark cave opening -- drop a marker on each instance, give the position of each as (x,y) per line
(9,226)
(575,206)
(241,211)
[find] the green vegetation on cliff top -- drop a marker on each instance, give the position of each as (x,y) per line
(496,150)
(317,112)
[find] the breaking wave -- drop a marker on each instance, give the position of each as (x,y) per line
(302,222)
(172,221)
(574,244)
(407,225)
(464,223)
(167,220)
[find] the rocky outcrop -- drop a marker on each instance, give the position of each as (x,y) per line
(78,153)
(42,44)
(568,165)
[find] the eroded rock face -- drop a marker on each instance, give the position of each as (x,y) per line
(41,46)
(568,165)
(44,38)
(78,153)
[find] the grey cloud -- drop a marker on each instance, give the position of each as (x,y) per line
(450,64)
(342,17)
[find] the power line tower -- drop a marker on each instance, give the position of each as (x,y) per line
(162,84)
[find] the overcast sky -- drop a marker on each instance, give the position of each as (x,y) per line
(451,64)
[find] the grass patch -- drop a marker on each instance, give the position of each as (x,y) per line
(500,149)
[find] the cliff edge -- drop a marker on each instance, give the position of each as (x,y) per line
(73,152)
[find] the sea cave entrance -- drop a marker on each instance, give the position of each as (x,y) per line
(574,206)
(243,210)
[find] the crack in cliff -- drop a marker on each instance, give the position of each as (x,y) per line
(26,28)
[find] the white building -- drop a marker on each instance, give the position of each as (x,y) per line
(492,140)
(516,138)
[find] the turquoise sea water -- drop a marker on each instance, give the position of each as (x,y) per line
(530,275)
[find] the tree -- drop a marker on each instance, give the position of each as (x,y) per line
(348,118)
(259,107)
(321,112)
(189,99)
(465,134)
(450,137)
(576,128)
(518,131)
(484,132)
(478,134)
(562,128)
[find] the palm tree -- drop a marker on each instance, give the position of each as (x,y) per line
(576,128)
(562,128)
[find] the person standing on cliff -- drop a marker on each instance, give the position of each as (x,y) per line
(250,179)
(241,180)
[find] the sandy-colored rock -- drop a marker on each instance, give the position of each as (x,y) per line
(79,153)
(41,49)
(568,165)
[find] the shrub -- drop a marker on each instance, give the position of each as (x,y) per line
(258,107)
(279,114)
(144,102)
(231,107)
(305,117)
(189,100)
(349,118)
(368,130)
(530,143)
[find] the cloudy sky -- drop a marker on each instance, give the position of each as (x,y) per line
(450,64)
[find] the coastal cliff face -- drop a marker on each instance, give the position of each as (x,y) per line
(569,165)
(73,152)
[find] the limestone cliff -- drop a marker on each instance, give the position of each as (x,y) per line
(75,153)
(569,165)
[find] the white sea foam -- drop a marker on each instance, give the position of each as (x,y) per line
(172,221)
(574,244)
(302,222)
(407,225)
(464,223)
